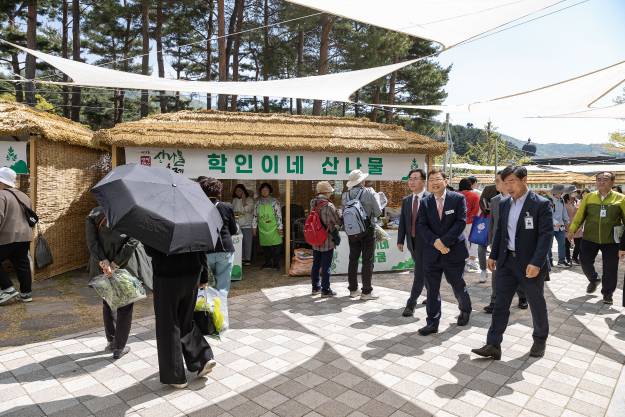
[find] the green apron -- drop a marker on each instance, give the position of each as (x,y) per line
(268,226)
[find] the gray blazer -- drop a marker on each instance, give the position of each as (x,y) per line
(106,244)
(495,202)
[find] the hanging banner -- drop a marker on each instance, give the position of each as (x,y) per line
(13,155)
(246,164)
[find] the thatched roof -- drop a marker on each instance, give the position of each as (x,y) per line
(19,119)
(262,131)
(543,178)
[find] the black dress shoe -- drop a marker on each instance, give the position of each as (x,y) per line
(489,309)
(523,304)
(489,351)
(408,311)
(463,318)
(427,330)
(538,350)
(592,286)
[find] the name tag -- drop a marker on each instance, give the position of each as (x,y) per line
(603,212)
(449,212)
(529,223)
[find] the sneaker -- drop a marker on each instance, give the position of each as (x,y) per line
(118,353)
(576,261)
(328,294)
(367,297)
(315,292)
(354,294)
(179,386)
(109,347)
(207,369)
(563,264)
(26,297)
(483,277)
(7,295)
(607,299)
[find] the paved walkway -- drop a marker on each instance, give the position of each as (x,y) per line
(290,355)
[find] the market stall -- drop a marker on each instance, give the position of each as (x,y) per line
(288,151)
(57,164)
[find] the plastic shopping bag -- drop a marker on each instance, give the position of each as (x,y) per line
(479,231)
(119,290)
(211,311)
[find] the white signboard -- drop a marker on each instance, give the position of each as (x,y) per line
(242,164)
(13,155)
(386,256)
(237,266)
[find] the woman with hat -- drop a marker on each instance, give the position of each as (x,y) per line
(15,237)
(267,225)
(322,254)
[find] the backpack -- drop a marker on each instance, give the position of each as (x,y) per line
(315,232)
(354,216)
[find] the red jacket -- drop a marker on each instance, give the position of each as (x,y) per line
(473,204)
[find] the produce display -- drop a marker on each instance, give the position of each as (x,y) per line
(119,290)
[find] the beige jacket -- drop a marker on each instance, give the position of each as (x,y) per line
(13,225)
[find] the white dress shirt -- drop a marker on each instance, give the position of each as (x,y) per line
(513,218)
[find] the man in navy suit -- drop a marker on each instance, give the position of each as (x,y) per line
(408,232)
(519,254)
(441,221)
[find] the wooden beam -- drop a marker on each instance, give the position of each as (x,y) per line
(32,173)
(113,156)
(287,229)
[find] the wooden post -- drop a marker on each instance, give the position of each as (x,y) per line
(287,229)
(113,156)
(428,167)
(32,172)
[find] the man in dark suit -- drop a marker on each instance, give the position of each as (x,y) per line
(519,254)
(408,232)
(441,221)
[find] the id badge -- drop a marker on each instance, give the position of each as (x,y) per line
(529,223)
(603,212)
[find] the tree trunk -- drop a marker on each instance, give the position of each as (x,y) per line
(376,100)
(158,34)
(76,57)
(266,51)
(391,97)
(125,65)
(15,64)
(209,51)
(65,54)
(235,50)
(145,59)
(31,42)
(231,29)
(324,48)
(300,65)
(356,107)
(223,65)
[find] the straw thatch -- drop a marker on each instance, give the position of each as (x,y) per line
(262,131)
(540,179)
(21,120)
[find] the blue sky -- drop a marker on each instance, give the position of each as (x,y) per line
(572,42)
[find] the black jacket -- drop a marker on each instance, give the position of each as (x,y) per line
(180,265)
(229,228)
(405,226)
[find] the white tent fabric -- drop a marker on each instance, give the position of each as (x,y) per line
(491,168)
(611,112)
(575,96)
(448,22)
(335,87)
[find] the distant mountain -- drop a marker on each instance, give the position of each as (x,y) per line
(547,150)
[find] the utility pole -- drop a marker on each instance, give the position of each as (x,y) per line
(449,156)
(488,132)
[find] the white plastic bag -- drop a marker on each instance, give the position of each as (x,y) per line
(215,302)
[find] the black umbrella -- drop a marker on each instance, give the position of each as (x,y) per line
(160,208)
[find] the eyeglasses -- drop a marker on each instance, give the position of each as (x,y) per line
(415,179)
(436,179)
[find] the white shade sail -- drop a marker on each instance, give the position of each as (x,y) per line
(448,22)
(574,97)
(335,87)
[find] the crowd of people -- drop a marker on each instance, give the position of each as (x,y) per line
(436,225)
